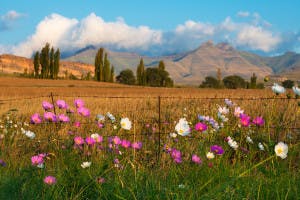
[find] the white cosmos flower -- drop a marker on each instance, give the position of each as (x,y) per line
(261,146)
(233,144)
(278,89)
(223,110)
(125,123)
(210,155)
(238,111)
(281,150)
(86,164)
(182,127)
(296,90)
(249,140)
(95,136)
(30,134)
(173,135)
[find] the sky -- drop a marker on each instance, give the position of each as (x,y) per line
(150,27)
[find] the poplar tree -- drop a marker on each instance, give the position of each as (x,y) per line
(51,66)
(56,63)
(106,69)
(112,74)
(99,65)
(140,73)
(36,64)
(44,61)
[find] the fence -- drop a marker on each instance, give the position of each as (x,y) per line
(161,112)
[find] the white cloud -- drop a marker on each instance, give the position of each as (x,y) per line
(243,14)
(257,38)
(7,20)
(196,28)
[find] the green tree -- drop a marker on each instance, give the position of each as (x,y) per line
(210,82)
(112,74)
(126,77)
(99,65)
(153,77)
(45,61)
(253,81)
(288,83)
(36,64)
(140,73)
(106,69)
(234,82)
(51,66)
(56,63)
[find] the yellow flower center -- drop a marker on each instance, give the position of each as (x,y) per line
(279,150)
(180,131)
(123,124)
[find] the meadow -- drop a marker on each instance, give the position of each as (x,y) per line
(111,141)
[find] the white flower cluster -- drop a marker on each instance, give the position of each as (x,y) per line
(233,144)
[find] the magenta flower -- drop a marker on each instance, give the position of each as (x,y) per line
(137,145)
(83,111)
(196,159)
(217,149)
(50,180)
(78,140)
(78,103)
(200,127)
(176,155)
(245,120)
(100,125)
(47,106)
(117,140)
(77,124)
(2,163)
(126,144)
(258,121)
(49,116)
(36,119)
(90,141)
(63,118)
(37,160)
(61,104)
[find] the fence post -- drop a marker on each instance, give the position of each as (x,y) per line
(159,129)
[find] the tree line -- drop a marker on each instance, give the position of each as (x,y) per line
(46,62)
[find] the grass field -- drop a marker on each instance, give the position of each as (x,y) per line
(165,167)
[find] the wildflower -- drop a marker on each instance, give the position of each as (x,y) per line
(137,145)
(30,134)
(77,124)
(117,140)
(245,120)
(223,110)
(277,89)
(100,118)
(200,127)
(217,149)
(36,119)
(78,140)
(222,117)
(296,91)
(101,180)
(50,180)
(90,141)
(196,159)
(182,127)
(111,117)
(78,103)
(181,186)
(176,155)
(83,111)
(2,163)
(125,143)
(210,155)
(228,102)
(173,135)
(49,116)
(238,111)
(261,146)
(249,140)
(37,160)
(125,123)
(98,138)
(63,118)
(100,125)
(281,150)
(47,106)
(259,121)
(233,144)
(86,164)
(61,104)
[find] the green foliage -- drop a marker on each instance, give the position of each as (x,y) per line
(140,73)
(210,82)
(36,64)
(51,66)
(99,65)
(106,69)
(112,74)
(253,81)
(158,76)
(260,86)
(234,82)
(126,77)
(45,60)
(56,63)
(288,83)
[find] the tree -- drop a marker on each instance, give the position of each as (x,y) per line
(51,66)
(253,81)
(153,77)
(126,77)
(36,64)
(106,69)
(210,82)
(112,74)
(162,73)
(45,61)
(56,63)
(99,65)
(288,83)
(140,73)
(234,82)
(219,78)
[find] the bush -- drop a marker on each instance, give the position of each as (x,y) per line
(234,82)
(126,77)
(288,83)
(210,82)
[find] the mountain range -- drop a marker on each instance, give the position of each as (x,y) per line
(188,68)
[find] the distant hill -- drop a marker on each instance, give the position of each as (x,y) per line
(188,68)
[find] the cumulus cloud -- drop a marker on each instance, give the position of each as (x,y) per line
(243,14)
(68,34)
(7,20)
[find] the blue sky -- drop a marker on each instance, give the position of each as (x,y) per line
(149,27)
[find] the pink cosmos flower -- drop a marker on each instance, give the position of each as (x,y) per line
(126,144)
(100,125)
(37,160)
(176,155)
(117,140)
(78,140)
(245,120)
(50,180)
(217,149)
(90,141)
(137,145)
(77,124)
(259,121)
(83,111)
(47,106)
(63,118)
(49,116)
(36,119)
(200,127)
(61,104)
(196,159)
(78,103)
